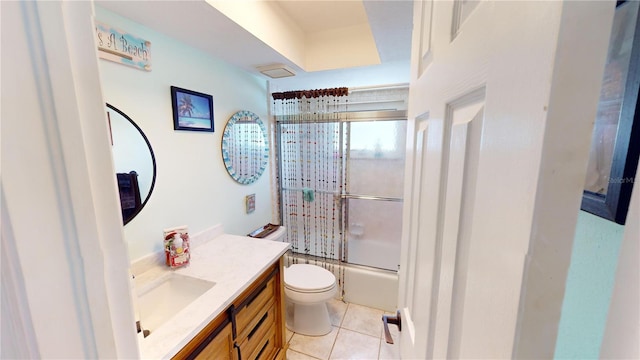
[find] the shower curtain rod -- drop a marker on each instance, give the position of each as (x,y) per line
(338,91)
(352,116)
(316,93)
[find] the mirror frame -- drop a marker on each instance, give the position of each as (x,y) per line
(153,160)
(615,203)
(226,135)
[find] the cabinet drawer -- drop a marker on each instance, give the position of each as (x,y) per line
(257,332)
(256,302)
(266,347)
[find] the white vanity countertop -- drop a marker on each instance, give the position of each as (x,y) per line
(233,263)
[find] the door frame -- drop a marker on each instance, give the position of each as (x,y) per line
(69,190)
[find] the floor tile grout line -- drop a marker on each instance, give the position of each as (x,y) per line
(344,316)
(313,357)
(340,328)
(357,332)
(361,333)
(334,343)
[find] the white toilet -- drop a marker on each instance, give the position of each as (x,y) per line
(307,289)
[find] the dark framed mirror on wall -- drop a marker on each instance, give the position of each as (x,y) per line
(134,162)
(615,144)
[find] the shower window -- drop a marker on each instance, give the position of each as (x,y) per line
(376,158)
(341,186)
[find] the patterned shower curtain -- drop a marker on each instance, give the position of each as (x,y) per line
(311,173)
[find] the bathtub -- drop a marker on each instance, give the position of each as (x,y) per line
(374,252)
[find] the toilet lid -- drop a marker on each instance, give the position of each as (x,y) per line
(308,278)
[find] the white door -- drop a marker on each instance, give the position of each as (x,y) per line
(496,159)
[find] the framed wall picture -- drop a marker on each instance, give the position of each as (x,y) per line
(250,203)
(191,110)
(615,144)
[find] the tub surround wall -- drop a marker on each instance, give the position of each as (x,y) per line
(192,186)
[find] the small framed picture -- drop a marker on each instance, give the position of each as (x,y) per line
(250,203)
(191,110)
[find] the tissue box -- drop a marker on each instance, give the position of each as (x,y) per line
(176,246)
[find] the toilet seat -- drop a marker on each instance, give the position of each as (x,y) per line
(313,291)
(307,278)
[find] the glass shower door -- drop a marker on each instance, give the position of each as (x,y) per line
(373,197)
(341,187)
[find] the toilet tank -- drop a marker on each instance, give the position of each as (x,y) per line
(277,235)
(270,232)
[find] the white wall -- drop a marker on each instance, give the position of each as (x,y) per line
(620,340)
(589,287)
(192,186)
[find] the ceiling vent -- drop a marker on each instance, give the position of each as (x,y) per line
(276,71)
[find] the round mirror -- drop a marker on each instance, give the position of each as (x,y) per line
(245,147)
(134,162)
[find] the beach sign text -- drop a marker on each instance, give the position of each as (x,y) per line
(122,47)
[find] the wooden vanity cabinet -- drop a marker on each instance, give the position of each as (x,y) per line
(258,318)
(220,347)
(252,328)
(215,341)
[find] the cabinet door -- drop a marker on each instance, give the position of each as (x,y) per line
(221,347)
(259,308)
(259,331)
(254,305)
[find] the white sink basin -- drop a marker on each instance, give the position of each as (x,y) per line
(165,297)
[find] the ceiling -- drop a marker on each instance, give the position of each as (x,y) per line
(327,43)
(312,16)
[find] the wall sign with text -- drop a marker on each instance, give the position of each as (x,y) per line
(122,47)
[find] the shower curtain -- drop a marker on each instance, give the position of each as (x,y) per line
(311,175)
(341,177)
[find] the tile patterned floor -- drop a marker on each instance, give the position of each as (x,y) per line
(356,334)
